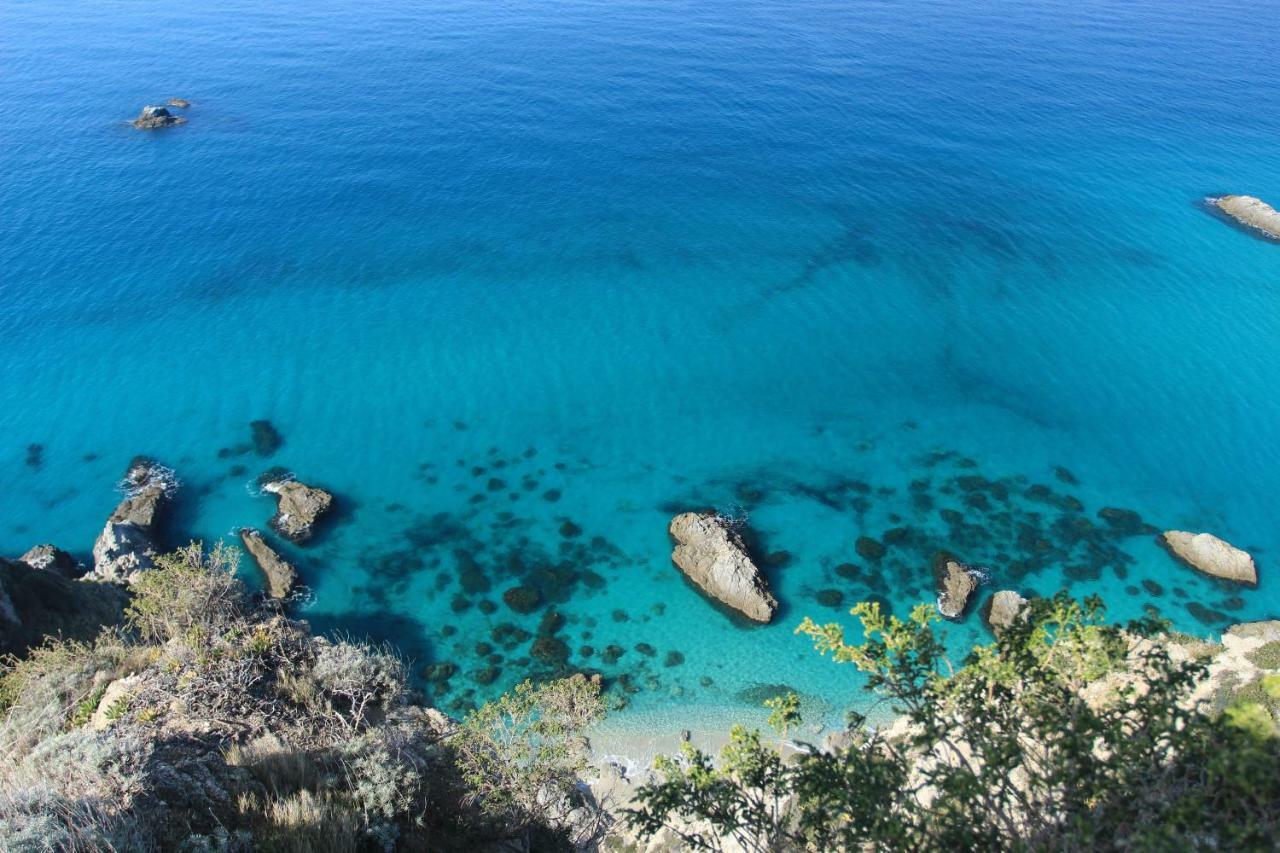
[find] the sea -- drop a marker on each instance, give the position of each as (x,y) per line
(520,280)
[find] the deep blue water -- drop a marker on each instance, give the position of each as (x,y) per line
(779,258)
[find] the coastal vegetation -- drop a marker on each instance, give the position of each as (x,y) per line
(209,720)
(1065,733)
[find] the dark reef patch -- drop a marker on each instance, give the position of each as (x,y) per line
(265,437)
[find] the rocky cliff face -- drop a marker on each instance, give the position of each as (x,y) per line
(35,603)
(129,543)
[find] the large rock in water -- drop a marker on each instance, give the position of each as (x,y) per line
(956,583)
(1207,553)
(297,508)
(1250,211)
(128,544)
(280,574)
(153,117)
(711,554)
(1005,607)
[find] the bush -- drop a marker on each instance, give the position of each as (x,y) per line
(357,679)
(1064,734)
(189,597)
(520,756)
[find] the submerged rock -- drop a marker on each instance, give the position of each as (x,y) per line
(128,543)
(956,583)
(266,438)
(180,103)
(1206,553)
(1003,608)
(281,576)
(298,506)
(153,117)
(712,555)
(1250,211)
(50,558)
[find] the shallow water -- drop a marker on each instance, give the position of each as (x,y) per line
(518,281)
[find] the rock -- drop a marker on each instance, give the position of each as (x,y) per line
(711,554)
(280,574)
(1207,553)
(53,559)
(180,103)
(153,117)
(956,583)
(35,603)
(128,543)
(297,508)
(1003,608)
(522,599)
(1250,211)
(114,702)
(1125,522)
(266,438)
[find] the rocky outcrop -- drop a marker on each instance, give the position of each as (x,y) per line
(128,544)
(711,554)
(1252,212)
(280,575)
(298,506)
(50,558)
(114,701)
(35,603)
(1206,553)
(956,583)
(1003,608)
(153,117)
(180,103)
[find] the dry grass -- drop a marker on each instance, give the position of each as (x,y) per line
(302,822)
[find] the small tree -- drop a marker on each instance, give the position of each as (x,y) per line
(520,756)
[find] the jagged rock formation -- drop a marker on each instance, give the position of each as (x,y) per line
(1206,553)
(956,583)
(281,576)
(297,508)
(711,554)
(1003,608)
(128,543)
(1250,211)
(153,117)
(50,558)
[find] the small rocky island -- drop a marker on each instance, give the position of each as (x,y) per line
(1250,211)
(1206,553)
(297,508)
(153,117)
(711,553)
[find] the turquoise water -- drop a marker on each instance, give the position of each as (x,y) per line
(819,264)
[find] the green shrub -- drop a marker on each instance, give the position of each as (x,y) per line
(520,756)
(1266,656)
(189,597)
